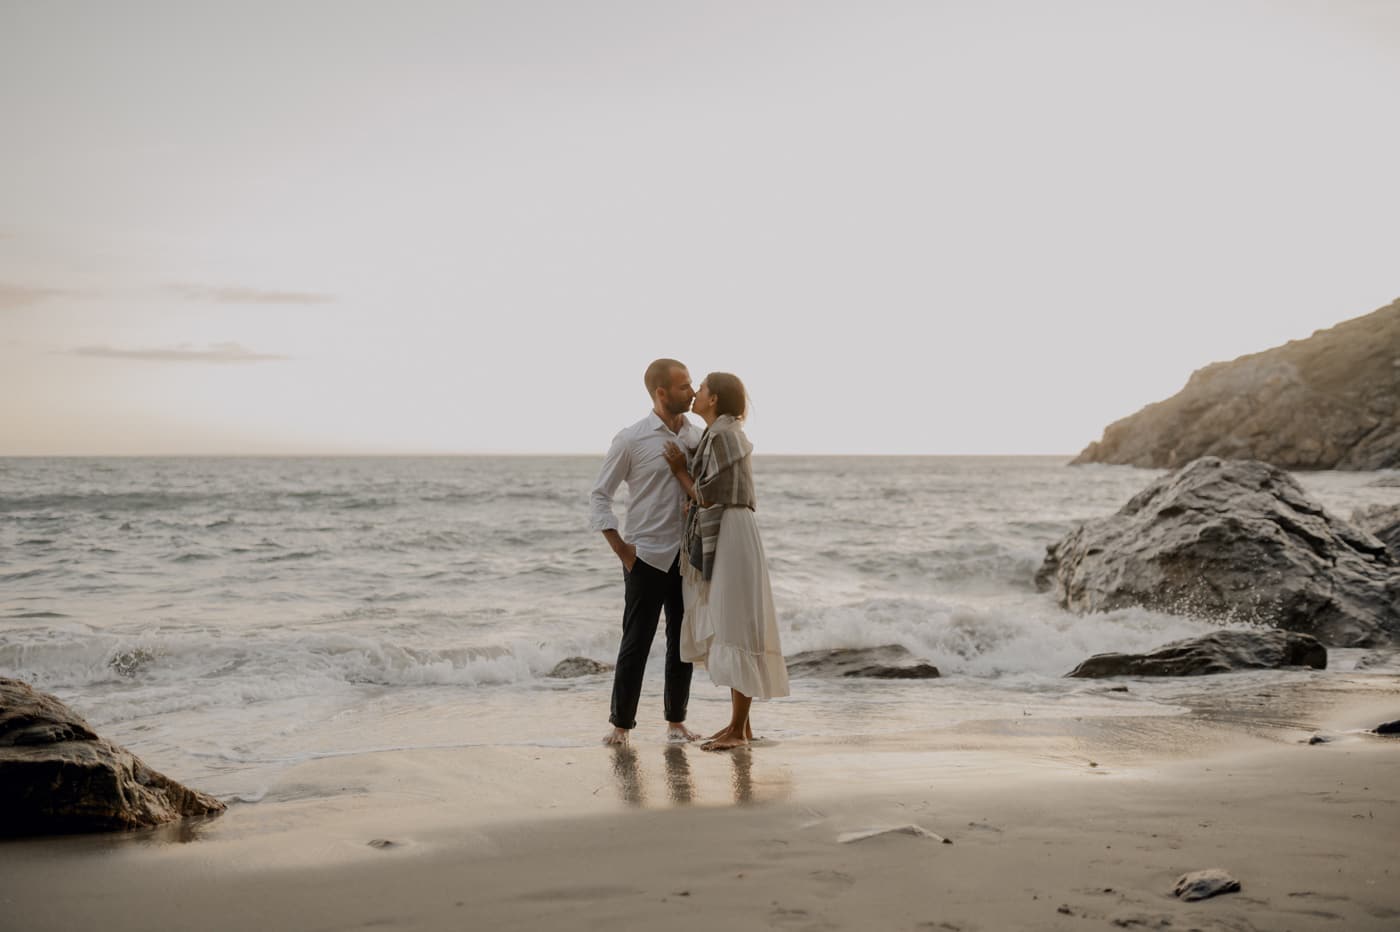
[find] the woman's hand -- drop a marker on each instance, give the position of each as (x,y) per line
(680,468)
(675,458)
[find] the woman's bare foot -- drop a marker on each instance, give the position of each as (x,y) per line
(748,732)
(725,741)
(616,736)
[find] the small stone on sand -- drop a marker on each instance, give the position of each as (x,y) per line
(1200,885)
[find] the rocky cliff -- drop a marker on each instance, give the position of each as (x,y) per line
(1331,401)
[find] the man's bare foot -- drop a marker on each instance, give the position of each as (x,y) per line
(725,741)
(616,736)
(677,733)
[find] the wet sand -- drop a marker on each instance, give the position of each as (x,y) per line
(1054,824)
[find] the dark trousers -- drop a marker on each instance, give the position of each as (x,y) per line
(649,591)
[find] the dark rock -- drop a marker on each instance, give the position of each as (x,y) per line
(29,717)
(382,843)
(1389,728)
(1234,540)
(1383,522)
(890,662)
(1217,652)
(1331,401)
(131,662)
(1321,739)
(571,667)
(1200,885)
(57,776)
(1379,660)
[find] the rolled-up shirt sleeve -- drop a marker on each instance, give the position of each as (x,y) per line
(600,500)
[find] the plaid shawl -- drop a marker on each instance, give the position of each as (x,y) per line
(723,471)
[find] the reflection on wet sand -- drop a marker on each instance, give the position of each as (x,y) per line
(628,774)
(181,832)
(742,779)
(714,778)
(679,781)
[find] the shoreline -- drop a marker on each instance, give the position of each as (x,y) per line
(1042,814)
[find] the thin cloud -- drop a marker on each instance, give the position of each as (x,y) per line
(13,297)
(240,295)
(213,352)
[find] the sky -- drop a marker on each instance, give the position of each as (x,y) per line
(978,227)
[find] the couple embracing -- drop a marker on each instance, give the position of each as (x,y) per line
(692,550)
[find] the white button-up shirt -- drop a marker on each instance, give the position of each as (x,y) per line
(656,501)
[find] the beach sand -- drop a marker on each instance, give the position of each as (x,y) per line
(1054,824)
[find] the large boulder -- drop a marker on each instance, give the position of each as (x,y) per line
(1217,652)
(1237,541)
(890,662)
(1331,401)
(57,776)
(1383,522)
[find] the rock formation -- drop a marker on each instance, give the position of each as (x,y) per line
(1331,401)
(1217,652)
(1201,885)
(1235,540)
(1380,660)
(890,662)
(58,776)
(1384,522)
(571,667)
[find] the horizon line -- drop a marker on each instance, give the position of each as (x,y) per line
(444,455)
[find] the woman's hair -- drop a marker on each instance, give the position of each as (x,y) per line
(730,397)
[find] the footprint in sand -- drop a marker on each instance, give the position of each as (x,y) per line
(833,878)
(564,894)
(779,916)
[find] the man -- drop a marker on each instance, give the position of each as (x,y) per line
(650,554)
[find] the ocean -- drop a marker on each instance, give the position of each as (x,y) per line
(229,618)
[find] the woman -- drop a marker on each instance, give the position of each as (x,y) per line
(730,626)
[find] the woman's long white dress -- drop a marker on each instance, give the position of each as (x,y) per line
(730,625)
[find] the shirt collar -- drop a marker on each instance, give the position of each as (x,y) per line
(655,423)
